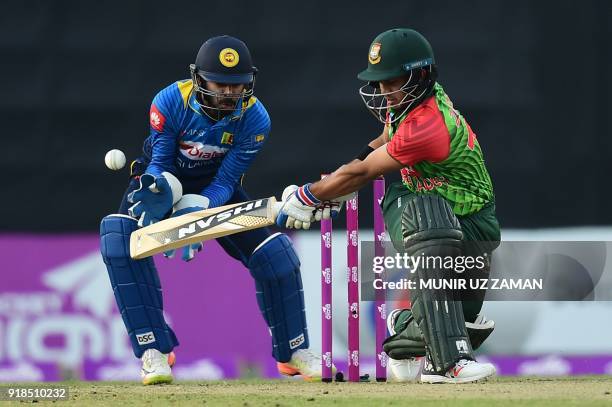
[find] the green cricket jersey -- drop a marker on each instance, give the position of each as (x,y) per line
(441,154)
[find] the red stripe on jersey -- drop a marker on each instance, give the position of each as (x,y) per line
(421,136)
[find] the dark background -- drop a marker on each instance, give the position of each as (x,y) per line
(77,79)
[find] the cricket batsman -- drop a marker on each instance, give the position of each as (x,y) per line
(444,205)
(205,132)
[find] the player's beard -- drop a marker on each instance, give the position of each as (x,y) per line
(405,102)
(217,107)
(398,103)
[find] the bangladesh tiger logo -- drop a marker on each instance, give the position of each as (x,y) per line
(374,55)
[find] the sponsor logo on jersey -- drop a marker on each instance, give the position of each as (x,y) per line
(156,118)
(145,338)
(229,57)
(227,138)
(415,181)
(374,55)
(411,172)
(198,151)
(194,132)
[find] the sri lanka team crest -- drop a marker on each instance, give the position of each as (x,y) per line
(229,57)
(374,55)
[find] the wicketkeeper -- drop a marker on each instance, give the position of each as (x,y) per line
(444,205)
(205,132)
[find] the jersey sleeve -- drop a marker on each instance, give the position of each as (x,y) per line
(251,139)
(421,137)
(164,133)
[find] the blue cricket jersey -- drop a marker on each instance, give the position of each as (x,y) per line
(195,148)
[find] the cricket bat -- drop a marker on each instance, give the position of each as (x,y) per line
(199,226)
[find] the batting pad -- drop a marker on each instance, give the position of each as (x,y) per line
(136,287)
(408,341)
(276,269)
(431,229)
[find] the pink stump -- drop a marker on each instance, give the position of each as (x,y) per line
(352,233)
(380,300)
(326,299)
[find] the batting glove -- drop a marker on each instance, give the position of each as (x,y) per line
(331,209)
(298,206)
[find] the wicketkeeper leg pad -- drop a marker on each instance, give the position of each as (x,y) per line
(136,287)
(430,229)
(276,269)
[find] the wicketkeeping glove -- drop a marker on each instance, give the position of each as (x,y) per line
(154,198)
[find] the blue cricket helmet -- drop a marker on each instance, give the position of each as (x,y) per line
(224,59)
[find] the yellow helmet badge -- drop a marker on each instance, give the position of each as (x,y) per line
(374,55)
(229,57)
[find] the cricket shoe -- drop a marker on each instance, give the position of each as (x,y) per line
(156,367)
(171,359)
(464,371)
(405,370)
(305,363)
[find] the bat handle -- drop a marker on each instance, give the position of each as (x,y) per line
(276,208)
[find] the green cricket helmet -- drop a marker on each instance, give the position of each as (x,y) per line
(393,54)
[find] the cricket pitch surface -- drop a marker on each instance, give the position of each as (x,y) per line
(503,391)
